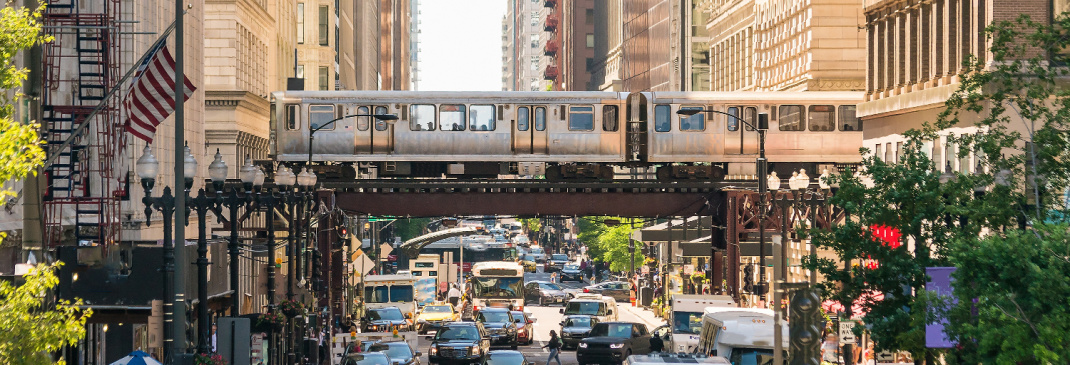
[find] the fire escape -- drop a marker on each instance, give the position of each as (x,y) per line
(84,182)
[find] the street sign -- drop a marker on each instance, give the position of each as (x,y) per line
(362,265)
(847,334)
(885,357)
(385,250)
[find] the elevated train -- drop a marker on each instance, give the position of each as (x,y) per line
(562,134)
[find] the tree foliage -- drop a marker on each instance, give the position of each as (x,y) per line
(31,327)
(610,244)
(20,149)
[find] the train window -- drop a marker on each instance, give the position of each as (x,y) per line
(523,122)
(481,118)
(422,117)
(848,119)
(822,118)
(292,115)
(581,118)
(362,122)
(319,116)
(540,118)
(662,117)
(695,122)
(791,118)
(610,122)
(380,125)
(750,114)
(451,117)
(733,123)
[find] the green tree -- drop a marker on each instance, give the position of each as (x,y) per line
(609,244)
(20,149)
(410,228)
(32,328)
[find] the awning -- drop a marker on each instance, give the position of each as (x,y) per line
(412,247)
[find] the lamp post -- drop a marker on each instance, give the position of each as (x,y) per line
(147,167)
(389,118)
(234,201)
(762,167)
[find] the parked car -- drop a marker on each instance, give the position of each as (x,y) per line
(528,261)
(544,292)
(506,357)
(459,343)
(571,272)
(618,290)
(366,358)
(399,352)
(500,326)
(613,342)
(556,262)
(576,328)
(525,330)
(540,255)
(433,316)
(384,320)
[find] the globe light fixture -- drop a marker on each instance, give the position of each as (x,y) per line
(773,181)
(147,167)
(217,171)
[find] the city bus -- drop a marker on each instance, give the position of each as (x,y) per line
(497,284)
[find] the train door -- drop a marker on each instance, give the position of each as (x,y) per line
(529,130)
(372,135)
(740,138)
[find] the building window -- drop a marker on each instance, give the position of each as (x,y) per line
(325,13)
(534,41)
(300,23)
(534,18)
(300,71)
(324,78)
(590,63)
(588,16)
(590,41)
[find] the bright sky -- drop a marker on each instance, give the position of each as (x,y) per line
(461,45)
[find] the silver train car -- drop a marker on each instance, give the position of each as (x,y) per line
(560,134)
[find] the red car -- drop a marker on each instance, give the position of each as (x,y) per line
(525,332)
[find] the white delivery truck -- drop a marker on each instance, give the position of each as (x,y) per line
(397,290)
(682,333)
(743,335)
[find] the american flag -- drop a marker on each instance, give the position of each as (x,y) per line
(152,93)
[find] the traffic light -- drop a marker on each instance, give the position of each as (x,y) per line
(191,328)
(805,328)
(748,278)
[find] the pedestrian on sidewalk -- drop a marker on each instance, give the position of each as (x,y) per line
(555,346)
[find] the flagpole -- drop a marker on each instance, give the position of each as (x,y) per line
(179,278)
(52,157)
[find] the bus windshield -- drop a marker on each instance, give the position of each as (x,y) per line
(746,356)
(497,287)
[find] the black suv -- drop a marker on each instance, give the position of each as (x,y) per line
(613,342)
(500,326)
(459,343)
(556,262)
(385,320)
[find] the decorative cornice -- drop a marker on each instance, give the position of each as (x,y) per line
(235,99)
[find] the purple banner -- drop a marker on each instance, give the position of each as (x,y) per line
(941,284)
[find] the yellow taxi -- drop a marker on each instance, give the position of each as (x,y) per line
(435,315)
(528,261)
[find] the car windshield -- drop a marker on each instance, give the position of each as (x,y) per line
(560,257)
(529,258)
(395,350)
(623,330)
(494,317)
(536,251)
(578,322)
(386,314)
(367,359)
(467,333)
(437,309)
(549,286)
(745,356)
(572,267)
(518,317)
(587,308)
(508,358)
(687,322)
(500,287)
(387,294)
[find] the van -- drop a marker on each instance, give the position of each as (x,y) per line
(601,307)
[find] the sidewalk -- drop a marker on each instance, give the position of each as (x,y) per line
(644,315)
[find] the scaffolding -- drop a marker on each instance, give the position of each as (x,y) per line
(86,179)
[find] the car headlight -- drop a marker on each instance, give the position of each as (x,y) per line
(582,345)
(473,351)
(433,351)
(616,345)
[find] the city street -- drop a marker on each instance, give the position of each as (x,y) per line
(548,318)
